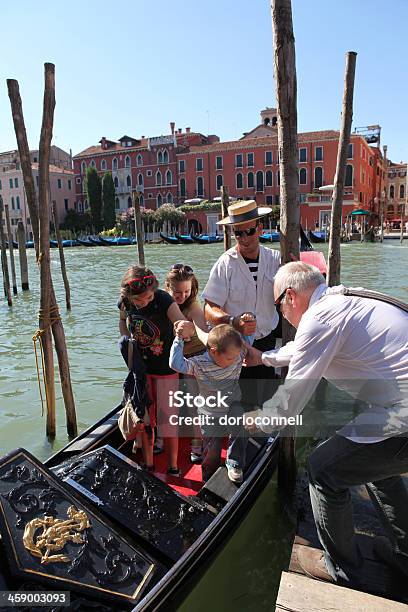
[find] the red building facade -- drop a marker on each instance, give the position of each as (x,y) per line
(188,165)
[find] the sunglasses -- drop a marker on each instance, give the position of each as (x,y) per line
(185,269)
(248,232)
(139,285)
(280,299)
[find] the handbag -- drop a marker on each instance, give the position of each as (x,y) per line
(129,423)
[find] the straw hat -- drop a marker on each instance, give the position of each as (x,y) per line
(244,211)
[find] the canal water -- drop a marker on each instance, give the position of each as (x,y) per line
(246,573)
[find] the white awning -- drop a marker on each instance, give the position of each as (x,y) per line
(193,201)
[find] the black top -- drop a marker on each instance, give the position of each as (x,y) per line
(152,330)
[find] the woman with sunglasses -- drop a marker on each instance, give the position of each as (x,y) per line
(147,314)
(181,283)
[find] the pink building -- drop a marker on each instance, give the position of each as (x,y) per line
(13,192)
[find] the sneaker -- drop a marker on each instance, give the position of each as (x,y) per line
(174,471)
(158,446)
(196,452)
(235,474)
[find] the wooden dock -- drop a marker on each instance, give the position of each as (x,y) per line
(383,589)
(299,593)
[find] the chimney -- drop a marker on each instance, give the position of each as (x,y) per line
(103,142)
(188,130)
(143,136)
(172,126)
(179,130)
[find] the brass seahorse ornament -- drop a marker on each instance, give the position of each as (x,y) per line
(54,535)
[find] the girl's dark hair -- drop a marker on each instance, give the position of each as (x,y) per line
(181,274)
(134,272)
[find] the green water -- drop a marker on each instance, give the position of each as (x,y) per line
(246,574)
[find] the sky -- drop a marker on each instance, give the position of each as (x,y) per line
(132,67)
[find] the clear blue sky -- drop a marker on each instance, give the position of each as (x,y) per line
(132,67)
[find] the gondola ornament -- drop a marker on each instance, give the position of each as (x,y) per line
(55,534)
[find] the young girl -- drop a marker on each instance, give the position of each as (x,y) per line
(147,314)
(181,283)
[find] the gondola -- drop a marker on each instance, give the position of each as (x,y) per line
(304,244)
(15,245)
(316,238)
(30,244)
(85,242)
(69,243)
(184,239)
(133,539)
(169,239)
(53,244)
(206,239)
(269,237)
(116,241)
(96,240)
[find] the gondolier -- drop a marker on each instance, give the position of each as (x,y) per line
(241,281)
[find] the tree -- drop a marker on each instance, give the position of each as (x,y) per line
(108,201)
(94,194)
(75,221)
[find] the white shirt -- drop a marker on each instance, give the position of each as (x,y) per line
(359,344)
(232,287)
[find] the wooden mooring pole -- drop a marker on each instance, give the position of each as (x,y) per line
(224,210)
(4,261)
(383,201)
(138,228)
(61,255)
(334,262)
(286,94)
(11,249)
(22,254)
(32,202)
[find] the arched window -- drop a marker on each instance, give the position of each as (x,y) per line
(318,177)
(128,181)
(402,191)
(141,199)
(250,179)
(239,181)
(117,205)
(140,179)
(392,192)
(268,178)
(83,170)
(127,161)
(86,205)
(390,208)
(169,177)
(259,181)
(302,176)
(18,202)
(12,203)
(165,157)
(159,200)
(139,160)
(93,163)
(159,157)
(116,182)
(129,202)
(103,164)
(219,181)
(158,178)
(182,187)
(200,186)
(114,163)
(349,176)
(80,209)
(169,198)
(278,177)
